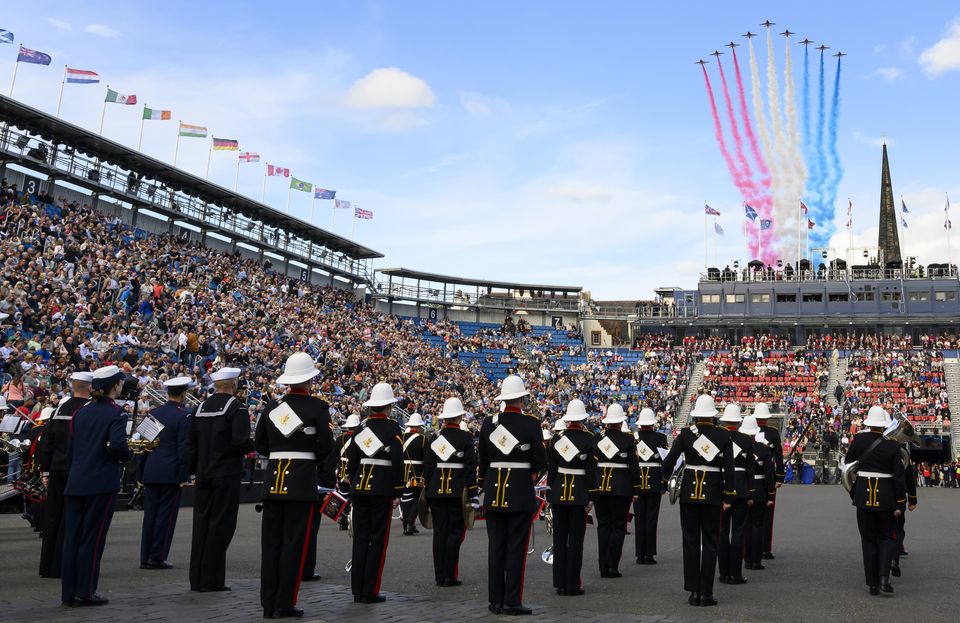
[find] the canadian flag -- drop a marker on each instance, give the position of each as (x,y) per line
(272,170)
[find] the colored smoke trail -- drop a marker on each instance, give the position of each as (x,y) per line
(836,169)
(768,238)
(745,174)
(764,181)
(811,190)
(718,132)
(798,179)
(783,216)
(821,167)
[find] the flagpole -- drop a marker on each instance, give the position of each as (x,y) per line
(760,246)
(236,178)
(706,259)
(263,191)
(353,228)
(142,120)
(313,205)
(63,82)
(333,216)
(947,222)
(103,113)
(289,189)
(799,233)
(16,65)
(716,240)
(176,149)
(209,155)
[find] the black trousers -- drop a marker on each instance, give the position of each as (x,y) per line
(310,562)
(700,524)
(508,535)
(733,525)
(878,538)
(449,530)
(646,517)
(87,520)
(53,514)
(901,535)
(408,505)
(215,510)
(284,541)
(768,512)
(371,535)
(569,529)
(754,532)
(161,505)
(611,529)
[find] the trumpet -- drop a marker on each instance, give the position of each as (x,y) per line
(142,446)
(11,445)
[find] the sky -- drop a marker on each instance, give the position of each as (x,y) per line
(554,142)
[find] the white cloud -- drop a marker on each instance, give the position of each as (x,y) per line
(873,141)
(59,24)
(908,47)
(880,49)
(101,30)
(889,73)
(480,105)
(581,194)
(944,55)
(389,87)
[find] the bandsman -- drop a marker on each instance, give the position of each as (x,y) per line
(762,412)
(910,482)
(618,479)
(341,448)
(651,448)
(763,487)
(414,449)
(734,522)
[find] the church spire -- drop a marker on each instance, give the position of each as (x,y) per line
(889,239)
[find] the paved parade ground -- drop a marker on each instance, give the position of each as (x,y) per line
(816,576)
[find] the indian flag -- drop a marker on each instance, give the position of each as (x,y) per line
(225,144)
(193,131)
(156,115)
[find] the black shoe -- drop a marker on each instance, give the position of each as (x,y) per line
(152,564)
(449,583)
(287,613)
(562,592)
(494,608)
(376,599)
(575,592)
(649,560)
(904,552)
(218,589)
(755,566)
(413,529)
(768,556)
(874,590)
(67,604)
(518,610)
(885,586)
(694,599)
(357,599)
(313,577)
(614,573)
(724,579)
(267,614)
(708,600)
(736,580)
(895,569)
(641,560)
(92,600)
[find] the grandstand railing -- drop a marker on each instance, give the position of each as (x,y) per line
(451,298)
(149,194)
(854,273)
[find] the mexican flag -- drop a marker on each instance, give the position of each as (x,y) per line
(119,98)
(156,115)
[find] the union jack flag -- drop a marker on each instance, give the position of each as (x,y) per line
(366,215)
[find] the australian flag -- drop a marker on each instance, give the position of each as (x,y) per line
(6,36)
(32,56)
(323,193)
(765,223)
(750,212)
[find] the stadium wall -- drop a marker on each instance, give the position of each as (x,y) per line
(472,314)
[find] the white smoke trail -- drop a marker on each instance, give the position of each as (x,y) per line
(784,218)
(798,179)
(767,144)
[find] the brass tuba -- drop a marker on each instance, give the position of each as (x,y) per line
(900,430)
(676,479)
(547,554)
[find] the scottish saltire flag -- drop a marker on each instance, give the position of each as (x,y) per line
(903,207)
(156,115)
(947,224)
(323,193)
(33,56)
(225,144)
(248,156)
(366,215)
(750,212)
(274,171)
(903,222)
(849,213)
(708,210)
(192,131)
(6,36)
(803,208)
(765,223)
(341,204)
(810,224)
(120,98)
(300,185)
(82,76)
(718,229)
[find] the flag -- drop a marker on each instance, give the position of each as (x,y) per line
(156,115)
(274,170)
(192,131)
(225,144)
(766,223)
(341,204)
(708,210)
(803,207)
(366,215)
(810,224)
(300,185)
(82,76)
(751,213)
(903,221)
(947,224)
(903,207)
(946,208)
(119,98)
(323,193)
(32,56)
(249,157)
(718,229)
(6,36)
(849,213)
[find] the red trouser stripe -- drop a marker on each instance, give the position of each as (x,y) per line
(303,555)
(96,547)
(456,568)
(526,546)
(167,533)
(383,559)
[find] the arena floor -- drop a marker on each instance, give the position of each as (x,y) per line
(816,577)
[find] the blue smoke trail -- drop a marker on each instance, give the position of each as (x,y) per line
(820,169)
(832,180)
(809,153)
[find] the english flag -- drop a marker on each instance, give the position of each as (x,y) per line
(803,208)
(810,224)
(275,171)
(248,156)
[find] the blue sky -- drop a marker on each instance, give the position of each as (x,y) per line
(557,142)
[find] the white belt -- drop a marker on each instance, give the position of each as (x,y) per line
(739,469)
(509,465)
(309,430)
(571,472)
(874,475)
(413,462)
(383,462)
(701,468)
(758,476)
(642,464)
(450,465)
(308,456)
(611,465)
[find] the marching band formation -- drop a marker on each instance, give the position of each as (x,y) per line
(724,472)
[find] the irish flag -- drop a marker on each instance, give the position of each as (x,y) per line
(120,98)
(156,115)
(193,131)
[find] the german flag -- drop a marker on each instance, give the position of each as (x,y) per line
(225,144)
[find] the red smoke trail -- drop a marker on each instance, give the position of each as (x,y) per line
(748,128)
(746,174)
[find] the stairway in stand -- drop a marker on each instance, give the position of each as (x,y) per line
(951,374)
(693,389)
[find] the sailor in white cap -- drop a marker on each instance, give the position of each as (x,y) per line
(340,447)
(618,479)
(414,451)
(450,474)
(734,522)
(651,448)
(761,411)
(219,439)
(164,472)
(706,490)
(510,454)
(764,486)
(376,479)
(52,458)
